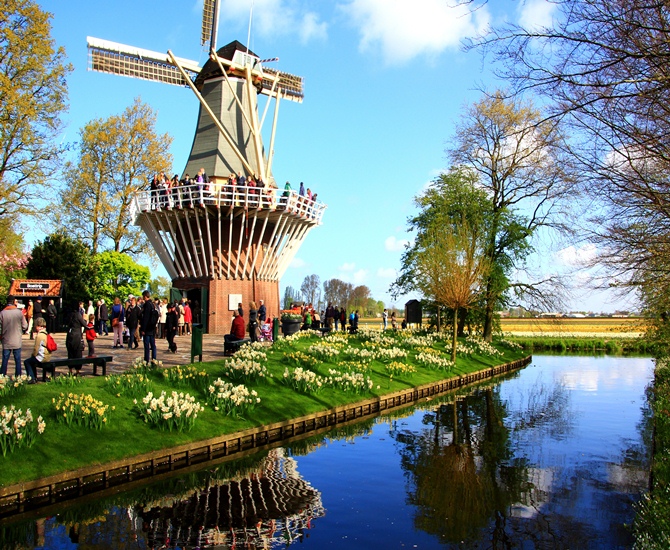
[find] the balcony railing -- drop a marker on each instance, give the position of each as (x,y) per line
(225,196)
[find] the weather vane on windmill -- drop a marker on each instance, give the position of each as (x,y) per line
(227,239)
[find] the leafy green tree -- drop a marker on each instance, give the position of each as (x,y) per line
(290,296)
(117,156)
(13,260)
(33,95)
(447,261)
(59,256)
(160,287)
(120,276)
(519,159)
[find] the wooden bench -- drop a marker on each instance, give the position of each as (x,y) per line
(231,347)
(97,361)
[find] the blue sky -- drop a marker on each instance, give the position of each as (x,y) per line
(385,82)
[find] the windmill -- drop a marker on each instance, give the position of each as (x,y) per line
(221,244)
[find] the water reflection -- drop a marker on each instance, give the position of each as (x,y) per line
(551,457)
(267,506)
(539,461)
(272,505)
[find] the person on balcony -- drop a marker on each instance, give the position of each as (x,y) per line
(201,179)
(241,179)
(285,195)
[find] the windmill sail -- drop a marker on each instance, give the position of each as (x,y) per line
(207,21)
(120,59)
(291,85)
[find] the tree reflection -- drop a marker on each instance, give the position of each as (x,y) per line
(462,473)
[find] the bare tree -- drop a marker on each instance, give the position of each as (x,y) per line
(359,297)
(603,68)
(338,292)
(310,289)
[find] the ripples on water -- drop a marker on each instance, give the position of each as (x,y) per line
(552,457)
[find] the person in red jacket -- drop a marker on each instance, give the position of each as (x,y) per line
(237,332)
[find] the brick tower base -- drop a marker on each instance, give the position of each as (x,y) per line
(216,294)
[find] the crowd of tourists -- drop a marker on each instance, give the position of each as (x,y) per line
(238,189)
(138,318)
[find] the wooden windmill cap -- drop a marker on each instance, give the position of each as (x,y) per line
(211,69)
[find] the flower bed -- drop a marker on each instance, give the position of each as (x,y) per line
(81,409)
(18,429)
(10,386)
(229,398)
(178,411)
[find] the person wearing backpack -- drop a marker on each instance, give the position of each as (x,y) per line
(148,323)
(40,353)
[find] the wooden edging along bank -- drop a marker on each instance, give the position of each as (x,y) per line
(123,474)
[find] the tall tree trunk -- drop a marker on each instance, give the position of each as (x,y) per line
(454,340)
(462,314)
(488,315)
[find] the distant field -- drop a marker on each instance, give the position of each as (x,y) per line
(590,327)
(600,327)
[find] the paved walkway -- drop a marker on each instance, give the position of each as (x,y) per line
(212,351)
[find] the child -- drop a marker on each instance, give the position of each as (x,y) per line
(171,324)
(91,335)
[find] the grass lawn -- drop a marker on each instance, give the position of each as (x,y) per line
(298,376)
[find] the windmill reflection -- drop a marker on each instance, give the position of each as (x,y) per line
(269,507)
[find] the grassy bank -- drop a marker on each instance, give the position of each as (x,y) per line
(652,523)
(584,344)
(295,377)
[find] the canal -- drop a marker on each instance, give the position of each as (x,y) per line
(553,456)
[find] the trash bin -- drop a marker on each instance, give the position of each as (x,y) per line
(275,329)
(196,341)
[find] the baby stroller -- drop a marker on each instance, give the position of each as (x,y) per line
(266,332)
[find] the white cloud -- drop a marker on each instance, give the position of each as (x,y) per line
(404,30)
(297,263)
(576,257)
(360,276)
(387,273)
(275,17)
(348,273)
(536,14)
(312,28)
(395,245)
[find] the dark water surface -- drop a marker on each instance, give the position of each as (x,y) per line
(551,457)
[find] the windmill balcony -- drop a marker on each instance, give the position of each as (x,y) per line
(226,197)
